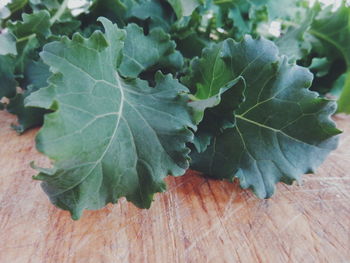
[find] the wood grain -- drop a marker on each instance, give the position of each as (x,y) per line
(197,220)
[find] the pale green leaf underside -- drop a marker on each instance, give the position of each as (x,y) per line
(7,44)
(109,137)
(292,44)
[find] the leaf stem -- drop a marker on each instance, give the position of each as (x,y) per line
(59,12)
(289,23)
(344,100)
(26,38)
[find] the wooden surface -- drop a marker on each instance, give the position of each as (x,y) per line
(197,220)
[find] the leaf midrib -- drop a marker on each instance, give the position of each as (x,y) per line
(119,113)
(260,125)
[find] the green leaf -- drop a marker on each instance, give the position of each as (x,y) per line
(218,111)
(27,117)
(243,26)
(344,99)
(211,81)
(285,9)
(62,11)
(155,12)
(326,73)
(30,34)
(184,7)
(37,23)
(192,45)
(282,9)
(293,43)
(35,77)
(65,27)
(50,5)
(154,51)
(282,130)
(8,83)
(115,10)
(26,37)
(204,80)
(338,85)
(320,66)
(333,31)
(109,137)
(186,26)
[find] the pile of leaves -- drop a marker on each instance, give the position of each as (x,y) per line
(130,91)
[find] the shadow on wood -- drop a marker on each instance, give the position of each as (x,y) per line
(197,220)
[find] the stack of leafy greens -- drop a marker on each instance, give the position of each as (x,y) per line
(130,91)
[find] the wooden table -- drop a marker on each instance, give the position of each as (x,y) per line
(197,220)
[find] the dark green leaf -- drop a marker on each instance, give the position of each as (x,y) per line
(29,33)
(184,7)
(192,45)
(8,83)
(292,43)
(142,53)
(37,23)
(282,130)
(333,31)
(35,77)
(320,66)
(27,117)
(155,11)
(12,7)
